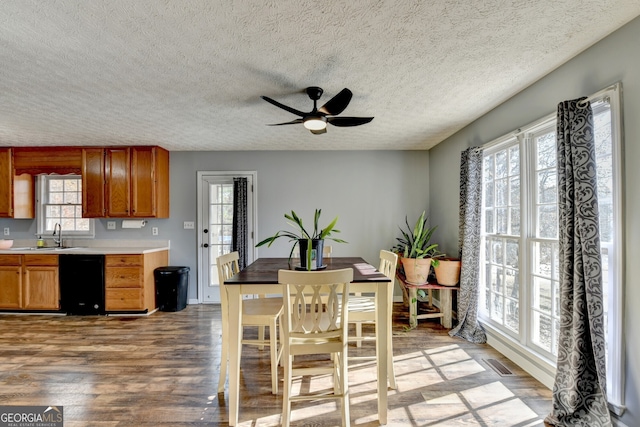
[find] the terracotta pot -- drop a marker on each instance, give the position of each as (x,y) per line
(416,270)
(448,271)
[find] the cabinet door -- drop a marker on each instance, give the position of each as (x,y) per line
(118,181)
(41,288)
(10,287)
(124,299)
(143,182)
(93,183)
(6,183)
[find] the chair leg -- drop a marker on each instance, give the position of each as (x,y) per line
(286,391)
(273,349)
(344,388)
(261,336)
(391,372)
(359,334)
(224,357)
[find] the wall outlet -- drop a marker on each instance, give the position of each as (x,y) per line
(7,231)
(154,231)
(189,225)
(111,225)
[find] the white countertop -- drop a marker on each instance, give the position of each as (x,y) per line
(89,247)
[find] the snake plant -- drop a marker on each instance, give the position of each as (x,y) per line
(416,242)
(303,234)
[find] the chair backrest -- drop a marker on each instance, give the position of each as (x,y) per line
(388,264)
(313,302)
(227,266)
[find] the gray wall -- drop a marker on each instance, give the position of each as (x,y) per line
(370,192)
(615,58)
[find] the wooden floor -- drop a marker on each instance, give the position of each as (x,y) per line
(162,370)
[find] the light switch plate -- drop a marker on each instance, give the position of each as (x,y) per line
(111,225)
(189,225)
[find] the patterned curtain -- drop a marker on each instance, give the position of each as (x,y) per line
(469,244)
(240,240)
(579,391)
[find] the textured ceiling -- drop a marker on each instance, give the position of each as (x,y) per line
(188,74)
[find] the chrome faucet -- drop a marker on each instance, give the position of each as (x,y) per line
(57,231)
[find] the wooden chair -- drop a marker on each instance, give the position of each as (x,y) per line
(314,323)
(362,309)
(259,312)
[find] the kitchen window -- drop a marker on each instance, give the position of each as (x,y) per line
(519,260)
(60,202)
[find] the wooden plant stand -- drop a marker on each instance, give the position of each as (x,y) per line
(446,299)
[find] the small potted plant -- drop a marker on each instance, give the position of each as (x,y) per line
(311,244)
(416,250)
(447,270)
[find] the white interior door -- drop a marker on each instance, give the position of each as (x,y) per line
(215,227)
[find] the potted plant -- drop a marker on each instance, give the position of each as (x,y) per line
(447,270)
(416,250)
(311,244)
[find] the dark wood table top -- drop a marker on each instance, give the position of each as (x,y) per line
(265,270)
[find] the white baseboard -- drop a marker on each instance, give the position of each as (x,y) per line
(538,368)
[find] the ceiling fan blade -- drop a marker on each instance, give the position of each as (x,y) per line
(348,121)
(284,107)
(338,103)
(292,122)
(318,132)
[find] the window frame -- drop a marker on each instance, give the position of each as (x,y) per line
(520,344)
(42,196)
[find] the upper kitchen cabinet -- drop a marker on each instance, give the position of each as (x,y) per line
(149,182)
(117,171)
(16,191)
(137,182)
(93,181)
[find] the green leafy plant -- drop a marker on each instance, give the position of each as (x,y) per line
(301,232)
(415,242)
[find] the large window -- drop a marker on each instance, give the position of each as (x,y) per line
(60,202)
(520,284)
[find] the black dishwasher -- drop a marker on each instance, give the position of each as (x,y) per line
(81,283)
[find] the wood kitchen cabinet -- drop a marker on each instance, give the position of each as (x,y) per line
(136,182)
(93,181)
(149,182)
(11,282)
(130,282)
(41,286)
(29,282)
(118,181)
(16,191)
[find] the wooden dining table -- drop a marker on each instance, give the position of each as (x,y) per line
(261,277)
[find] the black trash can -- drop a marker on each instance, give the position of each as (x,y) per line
(172,284)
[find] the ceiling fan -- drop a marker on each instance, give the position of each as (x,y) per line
(316,120)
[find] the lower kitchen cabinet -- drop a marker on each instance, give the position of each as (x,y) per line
(29,282)
(129,281)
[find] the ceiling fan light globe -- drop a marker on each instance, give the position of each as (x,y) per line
(315,123)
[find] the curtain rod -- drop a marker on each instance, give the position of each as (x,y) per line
(598,94)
